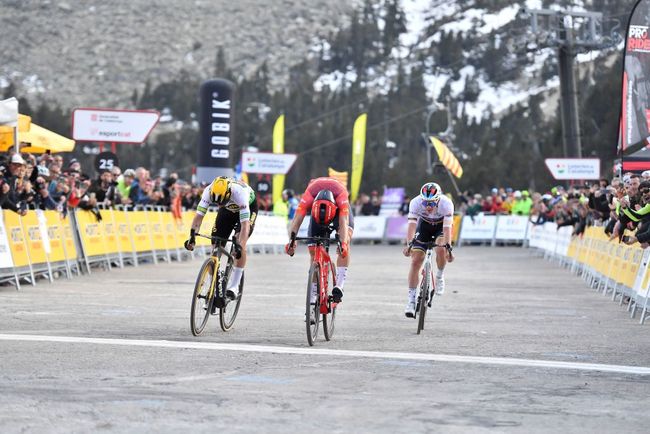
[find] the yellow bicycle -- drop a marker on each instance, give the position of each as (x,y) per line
(209,291)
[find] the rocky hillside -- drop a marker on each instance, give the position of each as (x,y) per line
(96,53)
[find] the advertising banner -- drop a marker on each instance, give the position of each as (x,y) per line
(269,231)
(358,152)
(91,233)
(396,228)
(369,227)
(54,224)
(34,238)
(5,252)
(9,112)
(217,130)
(16,237)
(511,228)
(278,148)
(479,228)
(574,168)
(264,162)
(109,125)
(634,128)
(110,231)
(140,229)
(391,200)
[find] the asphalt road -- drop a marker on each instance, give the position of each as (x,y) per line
(515,344)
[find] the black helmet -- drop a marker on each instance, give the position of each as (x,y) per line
(289,192)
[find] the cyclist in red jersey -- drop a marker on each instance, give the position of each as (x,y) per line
(327,200)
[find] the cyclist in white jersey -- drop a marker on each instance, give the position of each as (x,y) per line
(237,210)
(430,218)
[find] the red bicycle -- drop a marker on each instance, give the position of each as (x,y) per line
(322,276)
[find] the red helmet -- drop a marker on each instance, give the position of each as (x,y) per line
(323,210)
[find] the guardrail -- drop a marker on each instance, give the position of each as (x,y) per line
(611,268)
(44,244)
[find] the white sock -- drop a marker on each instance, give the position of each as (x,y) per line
(341,273)
(235,277)
(439,273)
(412,294)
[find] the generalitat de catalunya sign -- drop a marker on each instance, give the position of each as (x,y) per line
(574,168)
(264,162)
(107,125)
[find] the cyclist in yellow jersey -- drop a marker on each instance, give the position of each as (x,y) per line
(237,209)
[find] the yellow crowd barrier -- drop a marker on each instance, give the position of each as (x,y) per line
(613,268)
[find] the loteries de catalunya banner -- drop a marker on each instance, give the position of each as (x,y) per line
(358,151)
(278,148)
(634,128)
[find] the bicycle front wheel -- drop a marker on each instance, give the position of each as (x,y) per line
(312,310)
(328,317)
(425,287)
(203,297)
(228,313)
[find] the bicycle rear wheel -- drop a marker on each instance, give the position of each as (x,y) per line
(312,311)
(423,298)
(202,297)
(228,313)
(328,318)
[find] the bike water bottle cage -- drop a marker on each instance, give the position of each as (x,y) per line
(323,210)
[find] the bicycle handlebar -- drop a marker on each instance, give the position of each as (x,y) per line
(220,248)
(319,240)
(430,245)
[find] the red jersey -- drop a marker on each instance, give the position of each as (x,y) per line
(315,186)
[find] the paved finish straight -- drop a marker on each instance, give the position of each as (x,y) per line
(514,345)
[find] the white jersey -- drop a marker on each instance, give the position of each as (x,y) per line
(444,212)
(241,196)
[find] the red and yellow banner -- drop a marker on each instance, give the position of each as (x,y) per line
(447,158)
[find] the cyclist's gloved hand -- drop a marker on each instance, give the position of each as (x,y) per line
(450,255)
(290,248)
(189,243)
(238,251)
(345,249)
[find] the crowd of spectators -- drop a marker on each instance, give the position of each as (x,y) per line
(49,182)
(52,182)
(617,205)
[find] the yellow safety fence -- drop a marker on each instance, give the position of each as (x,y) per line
(613,267)
(44,242)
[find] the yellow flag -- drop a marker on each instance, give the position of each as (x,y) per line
(358,151)
(278,148)
(447,158)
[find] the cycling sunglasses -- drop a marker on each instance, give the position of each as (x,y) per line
(430,202)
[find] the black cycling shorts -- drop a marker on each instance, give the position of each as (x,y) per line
(317,230)
(227,221)
(425,233)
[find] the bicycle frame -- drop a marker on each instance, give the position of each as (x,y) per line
(217,251)
(323,259)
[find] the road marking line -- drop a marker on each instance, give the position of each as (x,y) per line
(478,360)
